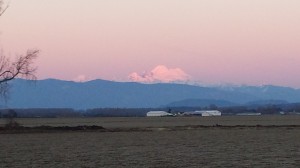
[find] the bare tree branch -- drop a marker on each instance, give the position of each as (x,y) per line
(2,10)
(21,67)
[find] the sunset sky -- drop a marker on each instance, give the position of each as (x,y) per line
(253,42)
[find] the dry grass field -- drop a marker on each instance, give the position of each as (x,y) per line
(131,122)
(203,147)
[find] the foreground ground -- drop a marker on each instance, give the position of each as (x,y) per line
(202,147)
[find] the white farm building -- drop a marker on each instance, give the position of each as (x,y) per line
(158,114)
(204,113)
(211,113)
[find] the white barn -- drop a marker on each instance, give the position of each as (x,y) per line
(210,113)
(158,114)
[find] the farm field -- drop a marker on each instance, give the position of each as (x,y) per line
(132,122)
(203,147)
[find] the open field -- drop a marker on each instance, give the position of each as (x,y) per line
(132,122)
(203,147)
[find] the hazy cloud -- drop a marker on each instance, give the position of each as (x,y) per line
(160,73)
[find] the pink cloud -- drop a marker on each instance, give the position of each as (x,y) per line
(160,73)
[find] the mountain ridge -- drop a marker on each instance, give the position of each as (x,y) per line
(54,93)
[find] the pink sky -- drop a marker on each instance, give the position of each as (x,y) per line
(252,42)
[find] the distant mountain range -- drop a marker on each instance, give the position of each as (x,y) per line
(200,103)
(52,93)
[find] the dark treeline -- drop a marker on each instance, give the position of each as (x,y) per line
(293,108)
(116,112)
(266,109)
(141,112)
(40,113)
(68,112)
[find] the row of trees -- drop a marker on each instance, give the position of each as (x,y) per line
(270,109)
(39,113)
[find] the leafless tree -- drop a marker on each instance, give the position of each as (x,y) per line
(21,67)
